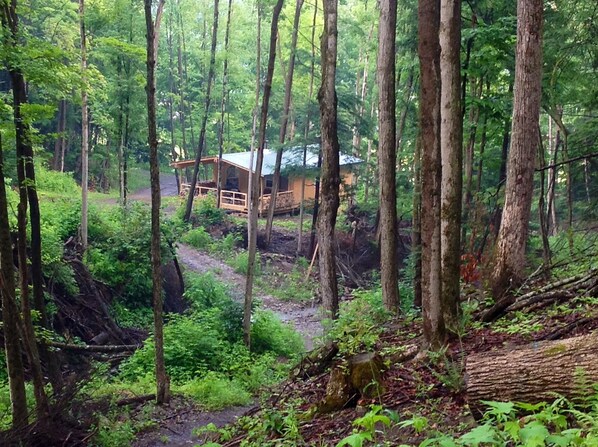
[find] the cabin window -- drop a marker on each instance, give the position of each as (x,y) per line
(232,179)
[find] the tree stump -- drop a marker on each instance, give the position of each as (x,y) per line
(361,377)
(534,373)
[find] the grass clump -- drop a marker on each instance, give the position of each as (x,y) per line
(216,391)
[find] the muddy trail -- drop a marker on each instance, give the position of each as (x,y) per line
(175,422)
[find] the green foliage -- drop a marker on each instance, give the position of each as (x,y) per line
(369,426)
(48,181)
(205,211)
(198,238)
(5,402)
(559,423)
(191,348)
(137,317)
(521,323)
(240,263)
(119,252)
(268,334)
(216,391)
(208,339)
(358,326)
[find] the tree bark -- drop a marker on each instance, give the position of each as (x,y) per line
(28,195)
(416,235)
(254,130)
(58,161)
(223,106)
(202,132)
(288,88)
(307,128)
(387,155)
(255,194)
(173,152)
(10,313)
(162,385)
(84,128)
(451,141)
(510,260)
(429,56)
(330,173)
(534,373)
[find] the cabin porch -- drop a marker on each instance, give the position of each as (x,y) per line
(238,201)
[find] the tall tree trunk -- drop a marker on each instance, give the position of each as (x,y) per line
(429,57)
(202,132)
(361,90)
(10,313)
(512,237)
(256,185)
(307,126)
(451,142)
(288,87)
(553,150)
(330,173)
(162,385)
(58,161)
(28,194)
(223,106)
(84,128)
(173,152)
(404,111)
(546,257)
(314,217)
(416,234)
(387,155)
(182,84)
(258,74)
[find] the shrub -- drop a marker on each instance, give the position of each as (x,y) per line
(206,212)
(54,181)
(359,323)
(240,263)
(210,299)
(215,391)
(198,238)
(269,334)
(119,252)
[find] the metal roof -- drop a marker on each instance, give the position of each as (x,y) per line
(291,157)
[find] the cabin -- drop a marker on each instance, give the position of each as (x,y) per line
(236,171)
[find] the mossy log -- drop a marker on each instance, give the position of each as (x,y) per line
(534,373)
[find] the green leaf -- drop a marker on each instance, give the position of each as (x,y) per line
(534,434)
(480,435)
(499,408)
(355,440)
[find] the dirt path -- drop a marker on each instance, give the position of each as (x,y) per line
(180,418)
(304,317)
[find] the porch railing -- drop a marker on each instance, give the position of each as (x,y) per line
(238,201)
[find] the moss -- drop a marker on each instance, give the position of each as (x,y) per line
(555,350)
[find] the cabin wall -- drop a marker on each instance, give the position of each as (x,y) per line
(295,186)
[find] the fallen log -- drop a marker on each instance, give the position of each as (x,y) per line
(534,373)
(93,348)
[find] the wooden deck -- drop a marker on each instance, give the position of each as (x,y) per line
(238,201)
